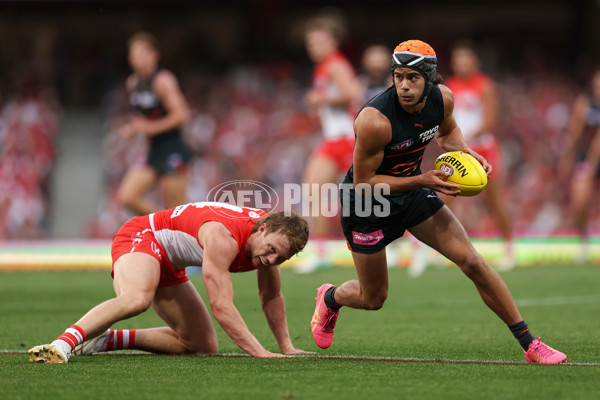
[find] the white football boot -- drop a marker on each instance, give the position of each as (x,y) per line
(92,346)
(48,353)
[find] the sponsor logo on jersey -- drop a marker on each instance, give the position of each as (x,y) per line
(428,134)
(419,125)
(178,210)
(403,145)
(367,239)
(144,99)
(156,249)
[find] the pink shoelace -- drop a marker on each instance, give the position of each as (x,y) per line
(543,349)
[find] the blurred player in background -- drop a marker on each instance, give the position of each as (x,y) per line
(334,93)
(475,112)
(162,110)
(392,132)
(150,254)
(375,76)
(580,160)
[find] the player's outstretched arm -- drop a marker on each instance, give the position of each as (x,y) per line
(220,249)
(273,304)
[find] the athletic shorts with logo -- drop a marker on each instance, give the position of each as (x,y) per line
(372,233)
(136,236)
(168,154)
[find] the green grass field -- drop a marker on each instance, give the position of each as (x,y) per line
(434,339)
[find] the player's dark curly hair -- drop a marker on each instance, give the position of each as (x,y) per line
(294,226)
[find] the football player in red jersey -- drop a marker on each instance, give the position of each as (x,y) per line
(150,254)
(475,111)
(333,97)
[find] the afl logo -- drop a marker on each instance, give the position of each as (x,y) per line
(403,145)
(245,193)
(445,167)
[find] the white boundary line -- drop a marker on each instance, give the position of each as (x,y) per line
(336,357)
(557,301)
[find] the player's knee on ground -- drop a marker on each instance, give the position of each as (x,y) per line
(210,346)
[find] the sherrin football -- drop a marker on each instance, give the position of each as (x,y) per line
(465,172)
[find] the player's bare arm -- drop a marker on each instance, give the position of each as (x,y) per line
(346,81)
(490,109)
(449,136)
(167,90)
(373,132)
(273,304)
(220,249)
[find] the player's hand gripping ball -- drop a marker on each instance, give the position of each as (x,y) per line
(465,172)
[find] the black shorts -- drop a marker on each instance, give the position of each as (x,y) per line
(371,233)
(168,154)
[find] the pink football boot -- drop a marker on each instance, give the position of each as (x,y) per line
(541,353)
(324,319)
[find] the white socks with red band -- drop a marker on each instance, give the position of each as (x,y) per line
(120,339)
(66,342)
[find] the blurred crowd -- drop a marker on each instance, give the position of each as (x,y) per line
(28,129)
(251,123)
(533,114)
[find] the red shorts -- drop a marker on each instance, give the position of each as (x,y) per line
(338,150)
(490,150)
(136,236)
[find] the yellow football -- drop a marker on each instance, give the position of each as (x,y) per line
(465,172)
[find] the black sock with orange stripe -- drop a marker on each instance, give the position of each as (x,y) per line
(522,334)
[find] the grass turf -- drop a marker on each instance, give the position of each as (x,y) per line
(437,316)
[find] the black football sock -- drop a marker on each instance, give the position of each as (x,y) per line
(329,299)
(522,334)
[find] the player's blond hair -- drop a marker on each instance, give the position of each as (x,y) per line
(331,20)
(294,226)
(145,37)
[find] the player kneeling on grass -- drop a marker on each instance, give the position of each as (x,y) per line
(392,132)
(150,254)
